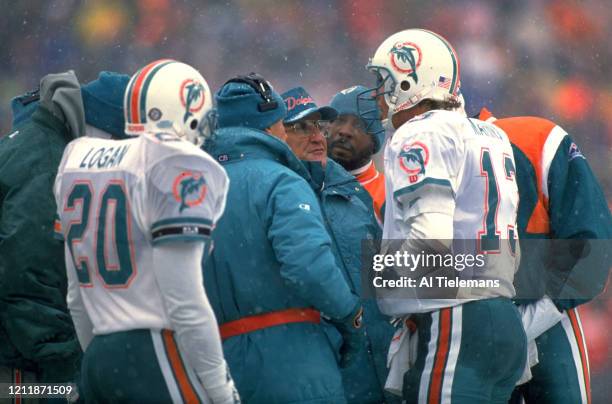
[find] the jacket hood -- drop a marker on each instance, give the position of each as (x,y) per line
(61,94)
(238,143)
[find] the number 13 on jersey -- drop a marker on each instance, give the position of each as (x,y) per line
(489,237)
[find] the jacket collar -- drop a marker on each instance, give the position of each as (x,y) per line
(334,179)
(233,144)
(367,173)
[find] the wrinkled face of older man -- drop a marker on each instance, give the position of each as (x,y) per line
(306,138)
(349,144)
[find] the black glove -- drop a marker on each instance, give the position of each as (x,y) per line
(353,336)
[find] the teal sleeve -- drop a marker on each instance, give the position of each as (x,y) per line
(581,228)
(303,248)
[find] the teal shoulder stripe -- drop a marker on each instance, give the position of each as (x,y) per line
(180,237)
(426,181)
(145,88)
(181,221)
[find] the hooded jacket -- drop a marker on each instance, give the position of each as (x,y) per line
(272,253)
(36,331)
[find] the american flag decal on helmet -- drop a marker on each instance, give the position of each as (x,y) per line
(444,82)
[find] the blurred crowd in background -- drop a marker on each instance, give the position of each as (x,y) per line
(550,58)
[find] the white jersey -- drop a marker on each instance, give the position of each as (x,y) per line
(444,162)
(118,198)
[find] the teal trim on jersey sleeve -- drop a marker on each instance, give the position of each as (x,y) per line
(181,221)
(426,181)
(180,237)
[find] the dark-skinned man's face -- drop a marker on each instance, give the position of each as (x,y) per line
(348,143)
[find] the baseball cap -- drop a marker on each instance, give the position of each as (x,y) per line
(300,104)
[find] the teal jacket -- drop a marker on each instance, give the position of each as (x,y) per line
(565,234)
(355,234)
(576,250)
(272,252)
(36,331)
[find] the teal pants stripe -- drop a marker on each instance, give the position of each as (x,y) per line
(562,375)
(472,353)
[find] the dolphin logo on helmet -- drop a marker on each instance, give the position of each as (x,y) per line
(191,92)
(404,53)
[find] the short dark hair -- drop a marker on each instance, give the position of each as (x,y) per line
(449,105)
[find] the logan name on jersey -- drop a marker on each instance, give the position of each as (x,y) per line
(104,157)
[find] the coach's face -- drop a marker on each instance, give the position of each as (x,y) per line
(349,144)
(306,138)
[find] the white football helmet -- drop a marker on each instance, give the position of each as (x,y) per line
(414,65)
(167,95)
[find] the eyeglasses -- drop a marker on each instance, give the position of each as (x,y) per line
(309,127)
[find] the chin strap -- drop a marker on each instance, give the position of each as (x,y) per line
(387,123)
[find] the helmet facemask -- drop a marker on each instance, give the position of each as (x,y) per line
(385,87)
(368,114)
(207,127)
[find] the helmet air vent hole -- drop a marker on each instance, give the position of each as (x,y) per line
(405,86)
(194,124)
